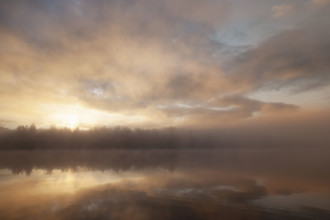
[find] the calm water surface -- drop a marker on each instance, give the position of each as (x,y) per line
(186,184)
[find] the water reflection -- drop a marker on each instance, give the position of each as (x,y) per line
(164,185)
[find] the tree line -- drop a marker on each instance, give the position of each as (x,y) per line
(29,138)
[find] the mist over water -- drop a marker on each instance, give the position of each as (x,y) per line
(173,109)
(165,184)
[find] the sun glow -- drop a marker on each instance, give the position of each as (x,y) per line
(77,116)
(67,116)
(66,120)
(71,121)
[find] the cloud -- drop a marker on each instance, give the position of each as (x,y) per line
(130,58)
(297,55)
(320,2)
(281,10)
(246,107)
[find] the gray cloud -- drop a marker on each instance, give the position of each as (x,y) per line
(222,110)
(296,57)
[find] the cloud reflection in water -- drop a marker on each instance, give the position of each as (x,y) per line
(162,185)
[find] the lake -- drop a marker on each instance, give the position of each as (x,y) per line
(165,184)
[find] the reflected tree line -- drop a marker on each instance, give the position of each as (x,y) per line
(25,161)
(21,161)
(309,164)
(29,138)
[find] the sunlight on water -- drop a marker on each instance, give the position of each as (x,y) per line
(149,184)
(68,181)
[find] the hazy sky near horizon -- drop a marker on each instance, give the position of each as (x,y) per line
(162,63)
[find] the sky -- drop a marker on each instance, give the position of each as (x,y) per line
(148,63)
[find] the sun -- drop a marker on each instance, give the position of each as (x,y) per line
(67,120)
(66,116)
(77,116)
(72,121)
